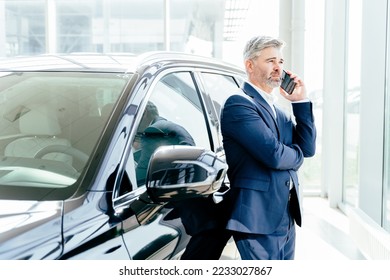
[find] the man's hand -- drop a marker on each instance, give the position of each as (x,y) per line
(299,92)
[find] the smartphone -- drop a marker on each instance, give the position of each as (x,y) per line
(288,84)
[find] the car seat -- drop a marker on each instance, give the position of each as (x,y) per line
(39,127)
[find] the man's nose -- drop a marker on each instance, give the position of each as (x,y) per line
(278,69)
(277,66)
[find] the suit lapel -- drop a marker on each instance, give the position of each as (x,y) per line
(259,100)
(280,117)
(249,90)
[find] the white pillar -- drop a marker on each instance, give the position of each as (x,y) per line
(106,26)
(51,27)
(285,19)
(292,31)
(298,36)
(167,28)
(2,29)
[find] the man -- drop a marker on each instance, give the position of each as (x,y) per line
(264,150)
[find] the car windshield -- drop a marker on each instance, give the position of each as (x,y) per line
(50,123)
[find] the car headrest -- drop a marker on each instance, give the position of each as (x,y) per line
(39,120)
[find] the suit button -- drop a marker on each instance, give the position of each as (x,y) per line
(288,183)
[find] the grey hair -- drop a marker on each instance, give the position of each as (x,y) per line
(259,43)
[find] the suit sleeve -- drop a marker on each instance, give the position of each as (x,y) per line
(243,126)
(305,131)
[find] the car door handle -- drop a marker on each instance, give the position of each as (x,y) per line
(113,249)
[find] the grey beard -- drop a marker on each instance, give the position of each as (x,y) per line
(274,84)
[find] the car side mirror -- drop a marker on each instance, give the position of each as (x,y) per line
(181,172)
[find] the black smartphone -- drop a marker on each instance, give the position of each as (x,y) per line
(288,84)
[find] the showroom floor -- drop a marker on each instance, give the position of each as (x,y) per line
(324,234)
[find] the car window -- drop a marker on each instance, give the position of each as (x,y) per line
(49,125)
(220,87)
(217,87)
(173,116)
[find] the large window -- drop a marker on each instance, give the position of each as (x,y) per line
(386,187)
(25,30)
(131,26)
(386,168)
(74,23)
(310,173)
(352,104)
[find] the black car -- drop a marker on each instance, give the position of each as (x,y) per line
(85,173)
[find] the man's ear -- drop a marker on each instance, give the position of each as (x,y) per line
(249,65)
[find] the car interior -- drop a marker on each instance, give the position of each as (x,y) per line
(49,120)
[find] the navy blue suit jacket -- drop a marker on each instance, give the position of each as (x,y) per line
(263,154)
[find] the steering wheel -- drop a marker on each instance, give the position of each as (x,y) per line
(83,157)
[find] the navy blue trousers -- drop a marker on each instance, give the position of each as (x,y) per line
(280,245)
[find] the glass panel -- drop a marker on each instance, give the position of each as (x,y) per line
(173,116)
(386,186)
(310,173)
(24,27)
(386,166)
(131,26)
(74,25)
(219,87)
(352,105)
(49,125)
(200,23)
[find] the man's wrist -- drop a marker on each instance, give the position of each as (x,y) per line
(301,101)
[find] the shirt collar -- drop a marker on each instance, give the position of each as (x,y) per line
(269,98)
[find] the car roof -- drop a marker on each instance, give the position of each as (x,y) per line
(115,62)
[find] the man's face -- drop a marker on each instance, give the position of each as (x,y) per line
(265,70)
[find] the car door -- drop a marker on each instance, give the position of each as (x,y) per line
(171,113)
(216,86)
(91,227)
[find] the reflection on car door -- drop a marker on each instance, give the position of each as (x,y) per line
(173,115)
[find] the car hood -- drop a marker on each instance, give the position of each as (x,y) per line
(17,217)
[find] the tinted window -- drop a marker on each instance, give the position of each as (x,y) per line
(49,124)
(173,116)
(219,87)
